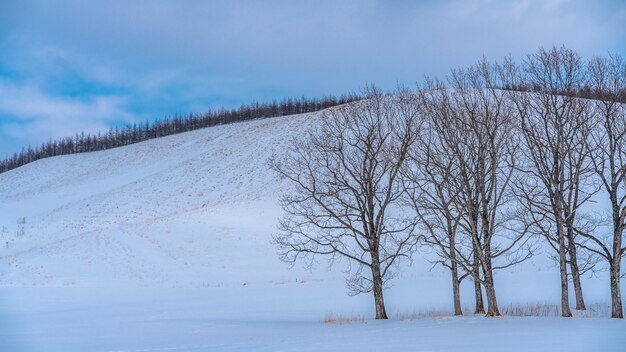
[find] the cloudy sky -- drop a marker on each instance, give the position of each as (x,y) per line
(68,66)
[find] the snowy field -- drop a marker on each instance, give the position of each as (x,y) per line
(165,246)
(267,318)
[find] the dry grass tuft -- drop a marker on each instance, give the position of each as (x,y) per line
(433,314)
(595,310)
(531,310)
(343,319)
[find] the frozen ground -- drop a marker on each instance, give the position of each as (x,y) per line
(164,246)
(71,319)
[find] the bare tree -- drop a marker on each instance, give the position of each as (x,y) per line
(428,178)
(608,143)
(486,148)
(556,175)
(346,197)
(472,121)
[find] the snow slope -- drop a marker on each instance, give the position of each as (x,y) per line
(165,245)
(168,211)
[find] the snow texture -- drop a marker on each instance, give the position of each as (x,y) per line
(165,246)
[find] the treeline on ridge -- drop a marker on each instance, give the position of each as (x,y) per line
(139,132)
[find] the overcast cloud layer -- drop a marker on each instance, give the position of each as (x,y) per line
(68,66)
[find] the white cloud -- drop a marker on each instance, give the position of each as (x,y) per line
(162,57)
(33,116)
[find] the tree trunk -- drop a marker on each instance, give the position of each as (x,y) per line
(456,289)
(478,291)
(378,291)
(490,290)
(560,236)
(492,302)
(616,261)
(565,310)
(573,262)
(616,296)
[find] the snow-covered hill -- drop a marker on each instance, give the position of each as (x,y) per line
(165,245)
(190,209)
